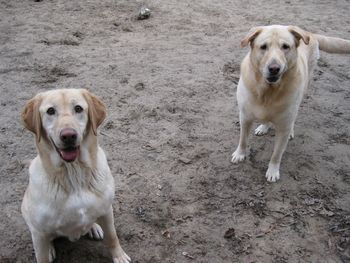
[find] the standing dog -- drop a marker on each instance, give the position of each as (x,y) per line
(274,76)
(71,189)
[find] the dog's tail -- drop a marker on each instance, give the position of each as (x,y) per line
(333,44)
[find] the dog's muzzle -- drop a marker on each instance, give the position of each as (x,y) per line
(274,71)
(69,151)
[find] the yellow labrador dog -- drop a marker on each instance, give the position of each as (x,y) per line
(71,189)
(274,76)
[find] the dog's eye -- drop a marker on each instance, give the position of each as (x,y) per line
(263,47)
(78,109)
(285,46)
(51,111)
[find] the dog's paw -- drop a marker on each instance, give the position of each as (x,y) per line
(262,129)
(52,253)
(238,156)
(96,232)
(122,257)
(272,174)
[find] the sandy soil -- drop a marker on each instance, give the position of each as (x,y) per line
(169,83)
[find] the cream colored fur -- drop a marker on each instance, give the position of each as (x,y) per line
(275,100)
(63,198)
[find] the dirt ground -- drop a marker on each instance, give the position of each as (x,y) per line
(169,83)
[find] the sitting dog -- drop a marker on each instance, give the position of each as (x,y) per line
(71,189)
(274,76)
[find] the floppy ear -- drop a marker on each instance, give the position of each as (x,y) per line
(299,33)
(96,110)
(31,116)
(252,34)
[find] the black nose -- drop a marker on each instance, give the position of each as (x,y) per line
(68,136)
(274,69)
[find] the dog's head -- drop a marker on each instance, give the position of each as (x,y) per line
(274,49)
(64,118)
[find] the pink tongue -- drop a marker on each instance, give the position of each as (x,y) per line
(69,156)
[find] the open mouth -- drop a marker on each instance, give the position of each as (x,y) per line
(69,154)
(272,79)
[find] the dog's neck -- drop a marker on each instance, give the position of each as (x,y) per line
(81,174)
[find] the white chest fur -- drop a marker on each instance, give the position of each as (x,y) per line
(49,208)
(76,215)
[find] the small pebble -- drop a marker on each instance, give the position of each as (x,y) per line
(144,13)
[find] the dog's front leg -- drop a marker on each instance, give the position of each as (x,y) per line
(282,136)
(111,239)
(241,151)
(42,245)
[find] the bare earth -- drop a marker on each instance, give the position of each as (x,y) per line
(169,83)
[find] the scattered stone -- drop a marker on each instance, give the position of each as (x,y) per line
(326,213)
(45,41)
(144,13)
(311,201)
(148,147)
(127,29)
(185,160)
(230,233)
(139,86)
(166,233)
(185,254)
(78,34)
